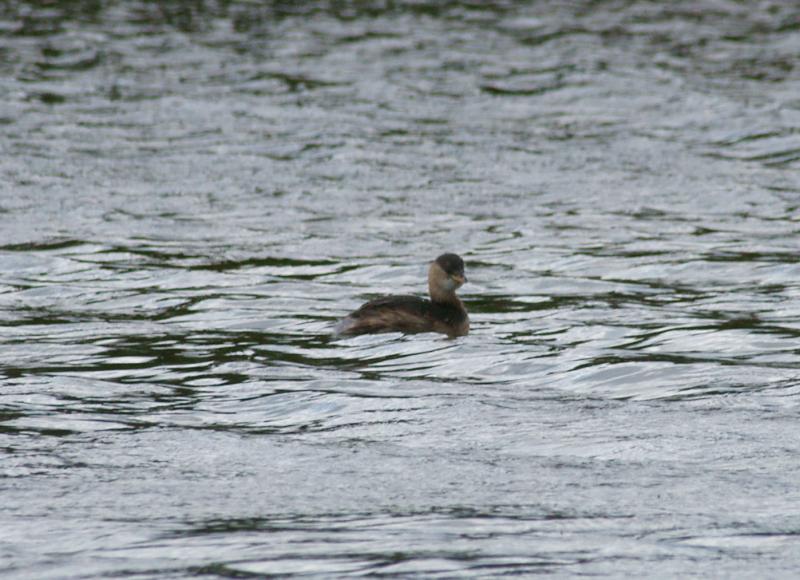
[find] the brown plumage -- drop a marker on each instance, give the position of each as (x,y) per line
(443,313)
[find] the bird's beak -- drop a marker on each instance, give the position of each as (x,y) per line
(460,278)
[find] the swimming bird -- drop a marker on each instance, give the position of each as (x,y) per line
(444,312)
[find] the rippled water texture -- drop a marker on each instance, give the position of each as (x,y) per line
(192,193)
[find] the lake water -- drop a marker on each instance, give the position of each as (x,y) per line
(192,193)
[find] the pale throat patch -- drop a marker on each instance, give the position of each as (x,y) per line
(449,284)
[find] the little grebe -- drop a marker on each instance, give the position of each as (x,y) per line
(444,312)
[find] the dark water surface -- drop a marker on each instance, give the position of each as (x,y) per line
(192,193)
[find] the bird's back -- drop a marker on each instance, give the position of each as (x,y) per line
(404,314)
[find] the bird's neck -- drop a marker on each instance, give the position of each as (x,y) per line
(442,296)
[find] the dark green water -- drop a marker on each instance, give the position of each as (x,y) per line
(192,193)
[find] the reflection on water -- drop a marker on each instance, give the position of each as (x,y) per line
(193,193)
